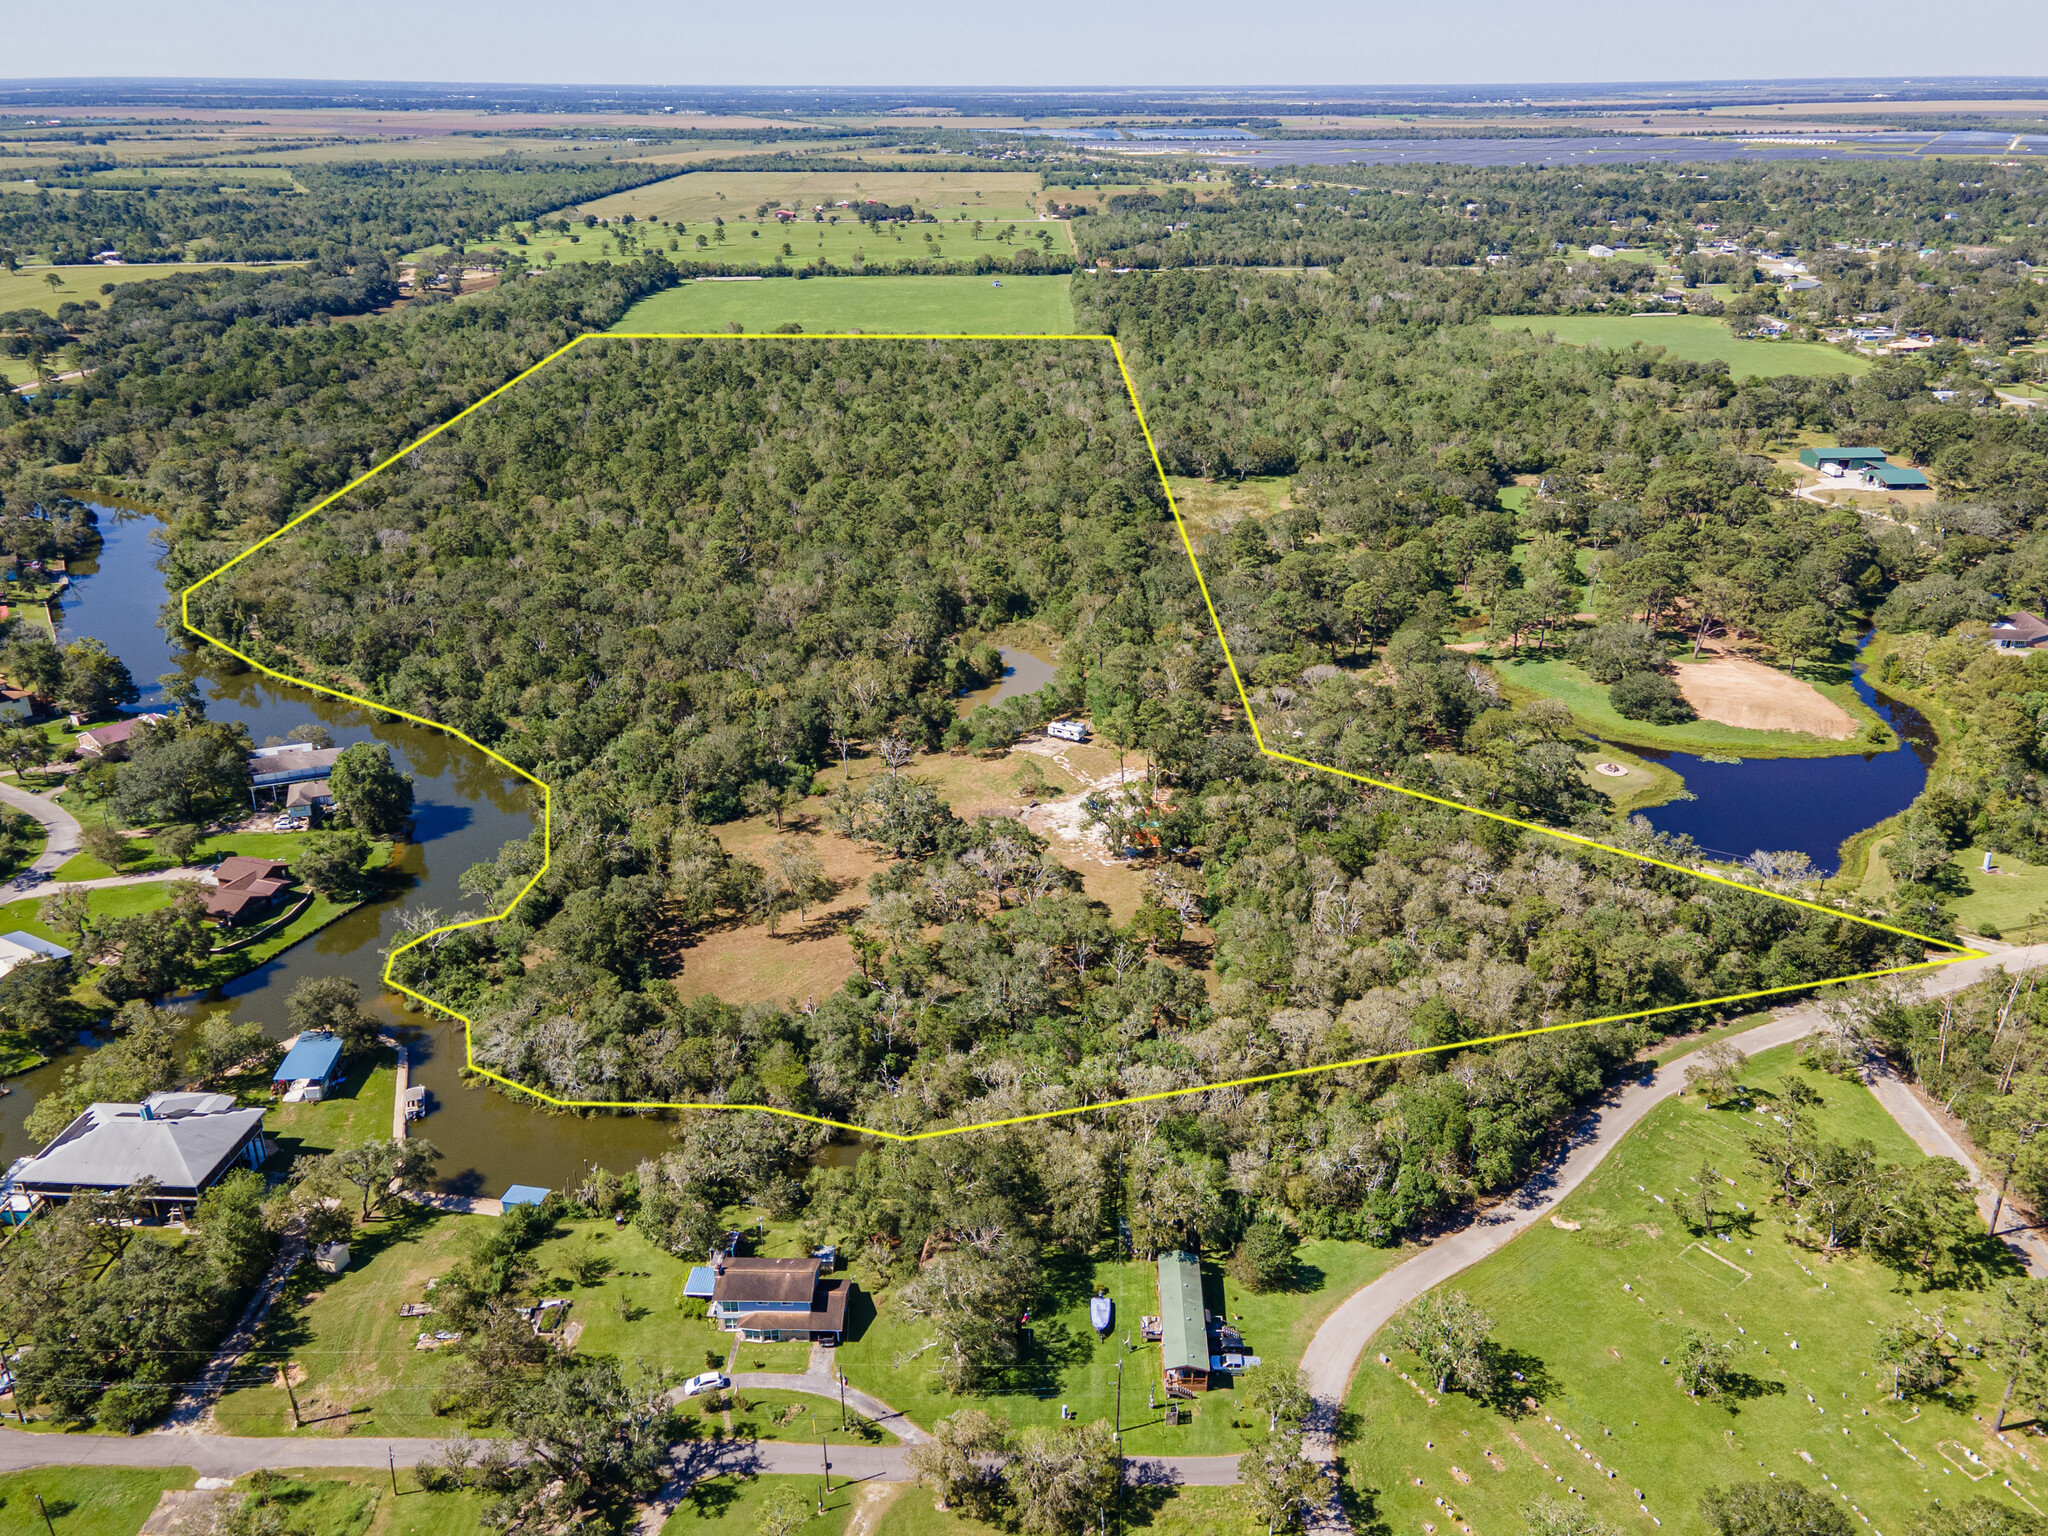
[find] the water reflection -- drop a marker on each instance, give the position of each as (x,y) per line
(466,809)
(1022,673)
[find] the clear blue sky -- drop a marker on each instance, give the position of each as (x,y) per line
(1038,43)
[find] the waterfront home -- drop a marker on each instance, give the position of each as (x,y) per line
(185,1142)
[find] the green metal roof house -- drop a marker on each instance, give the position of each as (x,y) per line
(1183,1325)
(1896,477)
(1853,458)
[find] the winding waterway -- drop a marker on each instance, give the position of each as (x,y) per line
(1811,804)
(465,810)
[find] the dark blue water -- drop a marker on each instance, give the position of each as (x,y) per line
(1811,804)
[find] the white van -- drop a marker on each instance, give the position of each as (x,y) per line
(1068,730)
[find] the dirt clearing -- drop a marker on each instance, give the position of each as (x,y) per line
(1761,698)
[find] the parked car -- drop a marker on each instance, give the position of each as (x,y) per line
(710,1381)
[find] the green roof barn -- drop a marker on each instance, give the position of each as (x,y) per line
(1183,1325)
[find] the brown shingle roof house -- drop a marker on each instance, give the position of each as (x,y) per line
(244,887)
(2021,631)
(778,1299)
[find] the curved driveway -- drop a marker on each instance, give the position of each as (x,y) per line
(59,826)
(1334,1352)
(1331,1358)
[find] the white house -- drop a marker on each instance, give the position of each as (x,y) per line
(17,947)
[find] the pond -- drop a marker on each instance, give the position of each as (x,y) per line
(466,809)
(1812,804)
(1022,673)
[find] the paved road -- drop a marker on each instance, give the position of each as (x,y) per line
(820,1382)
(1331,1358)
(1334,1352)
(59,825)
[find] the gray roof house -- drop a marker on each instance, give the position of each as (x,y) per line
(185,1141)
(276,769)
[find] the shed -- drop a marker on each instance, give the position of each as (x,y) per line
(309,1069)
(522,1194)
(1183,1325)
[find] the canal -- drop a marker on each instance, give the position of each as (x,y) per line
(466,809)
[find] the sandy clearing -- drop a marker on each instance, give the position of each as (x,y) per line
(1760,698)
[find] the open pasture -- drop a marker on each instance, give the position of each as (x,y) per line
(1039,305)
(1692,339)
(30,287)
(699,196)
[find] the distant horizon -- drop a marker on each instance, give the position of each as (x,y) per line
(1915,83)
(644,44)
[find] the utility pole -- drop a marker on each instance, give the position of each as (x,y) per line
(391,1460)
(284,1374)
(46,1515)
(824,1457)
(842,1402)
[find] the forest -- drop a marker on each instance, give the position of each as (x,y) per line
(678,580)
(323,209)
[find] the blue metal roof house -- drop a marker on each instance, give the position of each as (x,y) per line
(309,1070)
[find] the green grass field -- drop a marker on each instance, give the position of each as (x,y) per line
(765,245)
(358,1111)
(1529,677)
(730,1506)
(2013,899)
(352,1503)
(1065,1363)
(1033,305)
(1589,1316)
(257,845)
(700,196)
(29,288)
(84,1501)
(1693,339)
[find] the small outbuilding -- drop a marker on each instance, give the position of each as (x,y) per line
(310,1069)
(522,1194)
(1895,477)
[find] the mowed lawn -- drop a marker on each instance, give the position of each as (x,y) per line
(1529,676)
(1022,305)
(1692,339)
(30,287)
(1064,1362)
(85,1501)
(1589,1317)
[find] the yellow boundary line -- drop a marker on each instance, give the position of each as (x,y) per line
(1138,410)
